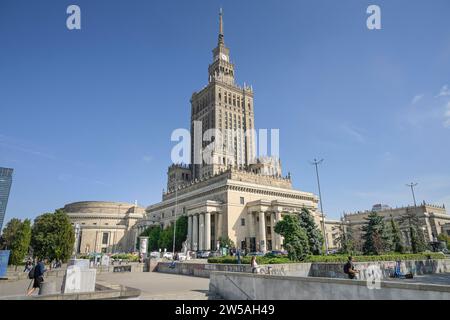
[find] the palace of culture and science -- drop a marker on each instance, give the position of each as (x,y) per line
(234,194)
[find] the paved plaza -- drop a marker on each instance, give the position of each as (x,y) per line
(161,286)
(436,278)
(153,285)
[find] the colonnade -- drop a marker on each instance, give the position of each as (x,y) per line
(200,231)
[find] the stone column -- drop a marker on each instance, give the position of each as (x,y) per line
(251,225)
(272,230)
(189,235)
(195,232)
(262,231)
(218,222)
(201,232)
(279,239)
(207,231)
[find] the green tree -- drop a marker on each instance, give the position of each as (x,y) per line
(346,240)
(295,238)
(417,238)
(17,239)
(397,242)
(444,238)
(376,238)
(312,231)
(166,238)
(181,232)
(10,231)
(53,236)
(226,242)
(153,233)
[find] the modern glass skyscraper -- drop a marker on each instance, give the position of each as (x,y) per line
(5,187)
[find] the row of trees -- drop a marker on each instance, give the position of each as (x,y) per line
(381,236)
(163,238)
(301,235)
(50,237)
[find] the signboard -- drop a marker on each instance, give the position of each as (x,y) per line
(4,258)
(143,245)
(105,260)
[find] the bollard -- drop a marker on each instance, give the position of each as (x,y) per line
(47,288)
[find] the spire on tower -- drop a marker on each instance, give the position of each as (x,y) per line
(221,26)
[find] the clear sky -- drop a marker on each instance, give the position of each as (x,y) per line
(87,115)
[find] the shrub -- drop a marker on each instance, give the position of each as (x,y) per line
(269,259)
(385,257)
(125,256)
(247,260)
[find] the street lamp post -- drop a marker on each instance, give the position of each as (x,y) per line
(412,185)
(77,239)
(175,223)
(316,164)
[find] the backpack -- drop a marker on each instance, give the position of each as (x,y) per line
(31,273)
(347,268)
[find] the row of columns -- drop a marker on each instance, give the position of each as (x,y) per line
(199,230)
(277,239)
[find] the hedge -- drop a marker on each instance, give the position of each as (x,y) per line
(125,256)
(385,257)
(329,258)
(247,260)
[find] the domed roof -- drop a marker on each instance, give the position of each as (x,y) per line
(102,207)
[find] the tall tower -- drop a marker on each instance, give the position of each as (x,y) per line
(5,187)
(224,107)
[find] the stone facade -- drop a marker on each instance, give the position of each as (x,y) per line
(233,204)
(104,226)
(434,220)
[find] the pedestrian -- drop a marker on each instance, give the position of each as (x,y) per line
(28,266)
(349,268)
(37,274)
(254,265)
(238,254)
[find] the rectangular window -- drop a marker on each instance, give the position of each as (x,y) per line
(105,238)
(242,200)
(242,222)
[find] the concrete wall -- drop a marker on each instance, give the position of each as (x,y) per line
(17,275)
(336,270)
(245,286)
(330,270)
(204,269)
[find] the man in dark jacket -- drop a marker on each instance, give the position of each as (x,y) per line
(349,269)
(38,276)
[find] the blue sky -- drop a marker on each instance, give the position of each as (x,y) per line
(87,115)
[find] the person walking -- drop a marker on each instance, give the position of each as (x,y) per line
(254,265)
(38,276)
(238,254)
(28,266)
